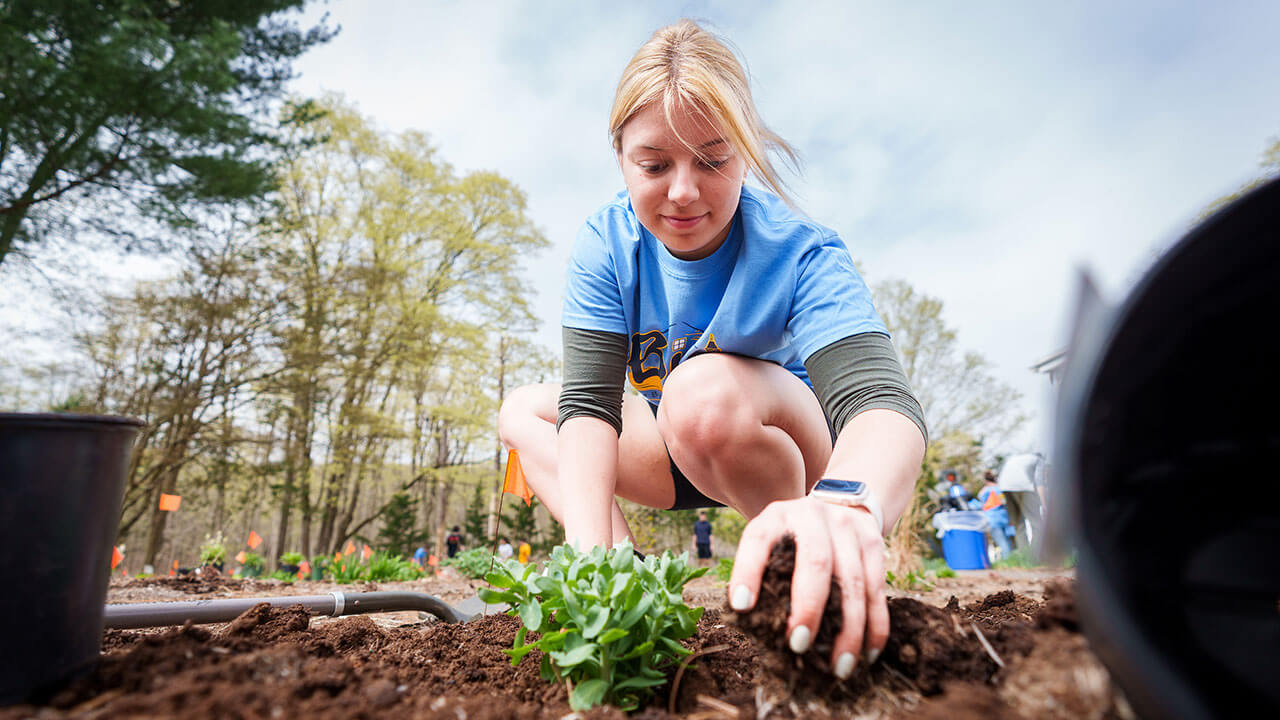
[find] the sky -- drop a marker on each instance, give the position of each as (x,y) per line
(985,152)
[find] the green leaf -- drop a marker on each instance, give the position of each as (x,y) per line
(494,597)
(500,579)
(611,635)
(634,614)
(639,682)
(531,615)
(597,616)
(643,648)
(576,656)
(588,694)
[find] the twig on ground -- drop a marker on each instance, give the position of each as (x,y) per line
(718,705)
(675,684)
(990,650)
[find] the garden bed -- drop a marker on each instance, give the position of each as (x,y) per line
(941,661)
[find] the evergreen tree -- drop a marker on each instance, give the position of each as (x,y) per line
(398,535)
(477,517)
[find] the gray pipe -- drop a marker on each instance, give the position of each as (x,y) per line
(336,604)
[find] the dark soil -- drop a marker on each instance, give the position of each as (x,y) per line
(280,663)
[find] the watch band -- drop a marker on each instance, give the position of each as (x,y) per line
(863,499)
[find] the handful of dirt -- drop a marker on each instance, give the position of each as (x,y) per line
(767,621)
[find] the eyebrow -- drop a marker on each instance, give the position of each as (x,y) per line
(703,146)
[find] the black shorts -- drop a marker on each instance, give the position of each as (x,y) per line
(704,551)
(688,496)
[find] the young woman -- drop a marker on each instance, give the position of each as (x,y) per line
(761,364)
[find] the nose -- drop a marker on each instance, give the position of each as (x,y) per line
(684,185)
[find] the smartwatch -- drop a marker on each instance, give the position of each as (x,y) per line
(849,493)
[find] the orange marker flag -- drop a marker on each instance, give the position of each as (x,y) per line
(366,553)
(432,560)
(349,549)
(304,568)
(173,571)
(240,557)
(515,482)
(337,556)
(116,557)
(254,540)
(170,503)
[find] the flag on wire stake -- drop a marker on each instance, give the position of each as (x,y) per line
(515,482)
(254,540)
(170,503)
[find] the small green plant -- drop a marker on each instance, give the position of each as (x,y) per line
(724,569)
(910,581)
(252,565)
(320,566)
(473,563)
(214,550)
(610,625)
(282,575)
(349,570)
(291,558)
(946,572)
(385,567)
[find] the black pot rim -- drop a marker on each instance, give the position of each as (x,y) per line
(49,419)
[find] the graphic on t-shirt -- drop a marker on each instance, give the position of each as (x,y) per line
(646,366)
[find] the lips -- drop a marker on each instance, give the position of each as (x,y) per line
(683,223)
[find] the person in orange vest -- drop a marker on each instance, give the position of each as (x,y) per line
(991,500)
(524,552)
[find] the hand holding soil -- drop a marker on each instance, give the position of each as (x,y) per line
(835,602)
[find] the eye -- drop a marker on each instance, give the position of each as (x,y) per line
(651,168)
(714,164)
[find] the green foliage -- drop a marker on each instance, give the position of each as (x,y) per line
(399,534)
(291,558)
(477,518)
(348,570)
(724,569)
(520,523)
(385,567)
(282,575)
(154,103)
(910,580)
(252,565)
(214,550)
(473,563)
(946,572)
(610,625)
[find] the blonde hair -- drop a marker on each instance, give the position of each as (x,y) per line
(684,66)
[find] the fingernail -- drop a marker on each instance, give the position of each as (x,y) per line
(872,655)
(799,639)
(844,666)
(741,599)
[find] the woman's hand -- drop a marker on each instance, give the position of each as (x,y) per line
(831,541)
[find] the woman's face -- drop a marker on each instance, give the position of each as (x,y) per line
(686,199)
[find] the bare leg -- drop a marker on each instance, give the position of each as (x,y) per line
(527,424)
(745,432)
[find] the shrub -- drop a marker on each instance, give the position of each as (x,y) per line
(282,575)
(252,565)
(610,624)
(349,570)
(473,563)
(214,550)
(724,569)
(291,558)
(387,567)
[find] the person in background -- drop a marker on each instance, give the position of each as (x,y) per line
(991,501)
(505,550)
(702,538)
(955,496)
(524,552)
(454,541)
(420,557)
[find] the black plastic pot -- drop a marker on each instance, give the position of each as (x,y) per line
(61,483)
(1167,436)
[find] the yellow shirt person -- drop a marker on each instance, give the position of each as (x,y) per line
(524,553)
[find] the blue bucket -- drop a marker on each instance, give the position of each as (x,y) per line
(964,539)
(965,549)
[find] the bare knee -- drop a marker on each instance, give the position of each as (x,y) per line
(703,410)
(524,407)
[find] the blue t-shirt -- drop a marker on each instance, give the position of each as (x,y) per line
(702,532)
(780,288)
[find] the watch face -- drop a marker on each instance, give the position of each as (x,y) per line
(844,487)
